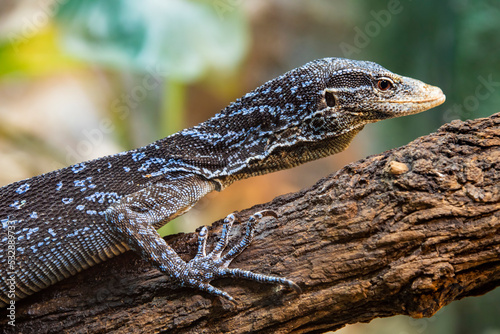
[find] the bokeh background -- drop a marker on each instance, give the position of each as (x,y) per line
(83,79)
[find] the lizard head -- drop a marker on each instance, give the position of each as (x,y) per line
(328,101)
(367,92)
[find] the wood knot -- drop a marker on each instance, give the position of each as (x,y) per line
(397,168)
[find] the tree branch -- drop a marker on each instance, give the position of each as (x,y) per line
(404,232)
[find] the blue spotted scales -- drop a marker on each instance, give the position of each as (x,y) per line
(59,223)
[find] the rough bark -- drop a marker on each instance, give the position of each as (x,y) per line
(404,232)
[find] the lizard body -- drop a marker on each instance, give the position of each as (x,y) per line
(59,223)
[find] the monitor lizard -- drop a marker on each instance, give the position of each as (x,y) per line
(59,223)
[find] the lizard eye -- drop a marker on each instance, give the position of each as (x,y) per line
(384,84)
(330,99)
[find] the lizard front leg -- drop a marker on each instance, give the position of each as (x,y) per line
(136,217)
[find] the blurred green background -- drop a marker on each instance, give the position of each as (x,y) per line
(83,79)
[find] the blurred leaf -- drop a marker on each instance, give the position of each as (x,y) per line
(181,39)
(37,54)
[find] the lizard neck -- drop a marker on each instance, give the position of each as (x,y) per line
(236,143)
(246,141)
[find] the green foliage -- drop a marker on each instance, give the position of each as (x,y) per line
(186,39)
(33,54)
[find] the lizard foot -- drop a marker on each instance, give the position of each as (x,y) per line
(203,268)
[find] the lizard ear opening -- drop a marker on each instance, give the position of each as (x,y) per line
(330,99)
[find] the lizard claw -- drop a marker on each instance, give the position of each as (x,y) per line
(204,268)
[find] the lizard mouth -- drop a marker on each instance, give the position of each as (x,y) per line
(433,97)
(434,101)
